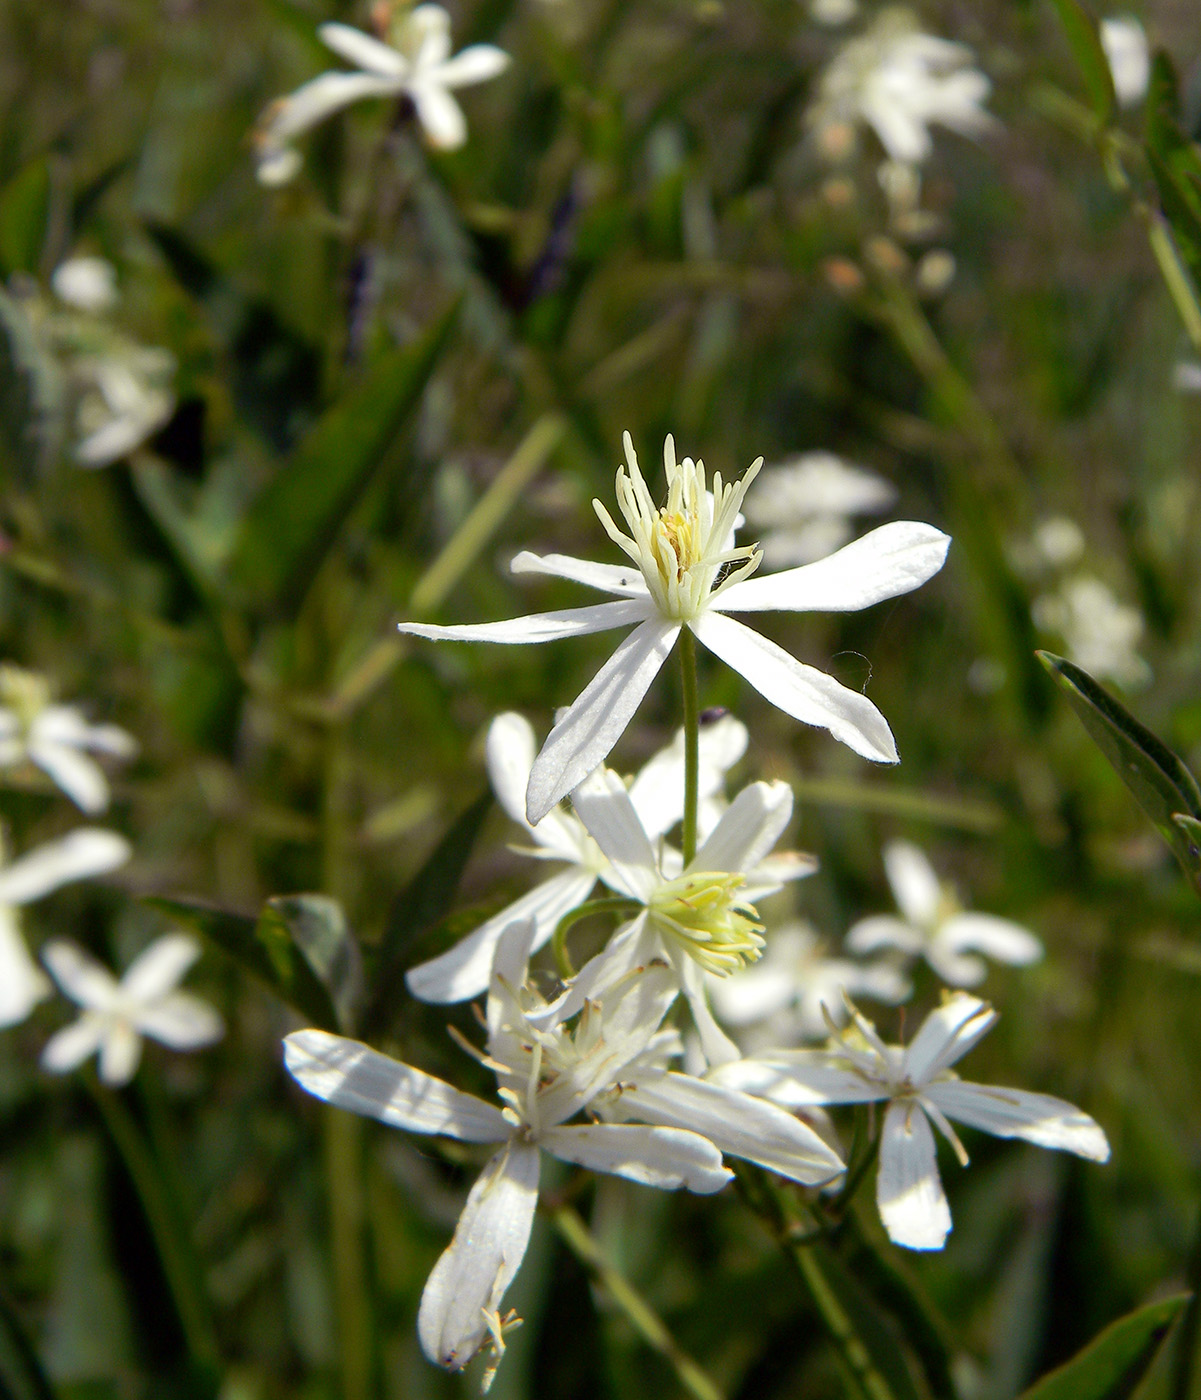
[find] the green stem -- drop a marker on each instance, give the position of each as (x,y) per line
(618,903)
(642,1317)
(180,1265)
(1184,1363)
(692,743)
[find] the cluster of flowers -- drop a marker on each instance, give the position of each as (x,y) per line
(586,1064)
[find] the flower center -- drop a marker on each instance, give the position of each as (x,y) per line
(702,913)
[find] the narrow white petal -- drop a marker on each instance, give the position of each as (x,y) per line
(362,50)
(884,931)
(79,776)
(161,967)
(749,827)
(535,628)
(69,1048)
(737,1123)
(1000,939)
(584,736)
(631,947)
(946,1035)
(952,968)
(914,884)
(798,1079)
(665,1157)
(801,691)
(509,755)
(82,854)
(182,1021)
(657,791)
(22,982)
(315,101)
(1014,1113)
(353,1076)
(716,1046)
(469,1281)
(475,64)
(909,1190)
(79,975)
(440,115)
(623,579)
(603,804)
(65,724)
(120,1053)
(887,561)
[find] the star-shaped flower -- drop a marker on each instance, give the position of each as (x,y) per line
(921,1089)
(116,1015)
(416,64)
(688,573)
(936,927)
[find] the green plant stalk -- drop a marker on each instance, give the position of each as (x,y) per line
(1184,1362)
(185,1278)
(616,904)
(692,743)
(642,1317)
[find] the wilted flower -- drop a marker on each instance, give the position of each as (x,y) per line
(690,574)
(1125,43)
(415,63)
(936,927)
(116,1015)
(806,505)
(920,1088)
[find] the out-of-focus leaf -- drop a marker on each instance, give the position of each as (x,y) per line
(1175,162)
(1160,782)
(294,520)
(266,948)
(317,926)
(21,1374)
(1115,1361)
(32,401)
(425,900)
(1083,36)
(881,1339)
(158,491)
(24,212)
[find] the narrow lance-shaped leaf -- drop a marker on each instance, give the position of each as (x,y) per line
(1115,1361)
(21,1374)
(317,926)
(1163,787)
(24,215)
(1175,163)
(1080,27)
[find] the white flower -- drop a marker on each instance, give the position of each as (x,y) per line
(88,284)
(1125,43)
(689,574)
(795,989)
(901,82)
(934,926)
(546,1074)
(56,738)
(116,1015)
(125,398)
(82,854)
(806,503)
(657,793)
(921,1088)
(1100,633)
(833,12)
(416,64)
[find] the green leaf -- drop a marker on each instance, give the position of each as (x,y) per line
(1175,163)
(426,899)
(1163,787)
(21,1374)
(32,395)
(1115,1361)
(24,215)
(1084,38)
(296,518)
(317,926)
(265,947)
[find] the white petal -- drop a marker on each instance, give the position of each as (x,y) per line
(1000,939)
(946,1035)
(887,561)
(535,628)
(67,1049)
(362,50)
(469,1281)
(22,982)
(798,1079)
(276,165)
(353,1076)
(622,579)
(658,790)
(884,931)
(1014,1113)
(79,975)
(716,1046)
(914,884)
(475,64)
(120,1054)
(315,101)
(161,967)
(737,1123)
(509,754)
(665,1157)
(65,724)
(909,1192)
(955,969)
(181,1021)
(748,829)
(440,115)
(83,853)
(462,972)
(603,804)
(79,776)
(584,736)
(800,691)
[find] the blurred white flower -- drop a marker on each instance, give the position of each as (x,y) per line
(657,793)
(547,1073)
(833,12)
(56,738)
(125,397)
(688,573)
(1100,633)
(82,854)
(900,82)
(116,1015)
(795,990)
(1186,377)
(934,926)
(1125,43)
(416,64)
(804,507)
(88,284)
(921,1089)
